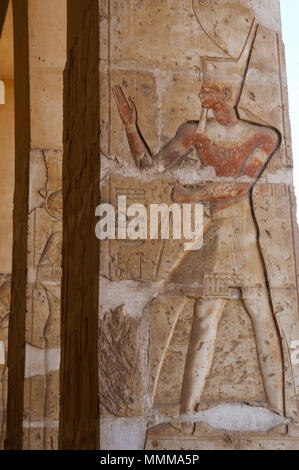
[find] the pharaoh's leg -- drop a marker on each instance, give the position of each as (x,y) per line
(201,351)
(268,345)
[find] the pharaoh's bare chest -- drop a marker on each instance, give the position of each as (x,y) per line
(226,156)
(228,159)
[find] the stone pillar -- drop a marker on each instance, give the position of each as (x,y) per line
(79,427)
(34,340)
(198,349)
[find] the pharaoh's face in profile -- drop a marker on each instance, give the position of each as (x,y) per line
(213,94)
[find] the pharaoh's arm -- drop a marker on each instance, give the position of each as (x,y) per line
(172,152)
(128,114)
(140,151)
(267,144)
(210,192)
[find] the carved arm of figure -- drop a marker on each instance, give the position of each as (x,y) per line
(210,192)
(176,149)
(128,114)
(268,142)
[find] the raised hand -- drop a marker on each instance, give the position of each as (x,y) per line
(127,110)
(128,114)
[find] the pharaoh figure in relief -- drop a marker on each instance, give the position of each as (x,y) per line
(230,264)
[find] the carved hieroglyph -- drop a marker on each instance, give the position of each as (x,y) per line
(218,326)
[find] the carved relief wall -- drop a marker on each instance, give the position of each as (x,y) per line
(198,349)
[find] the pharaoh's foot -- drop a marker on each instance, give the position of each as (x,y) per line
(188,429)
(281,430)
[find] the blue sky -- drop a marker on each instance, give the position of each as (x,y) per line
(290,33)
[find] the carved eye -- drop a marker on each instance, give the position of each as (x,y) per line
(226,92)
